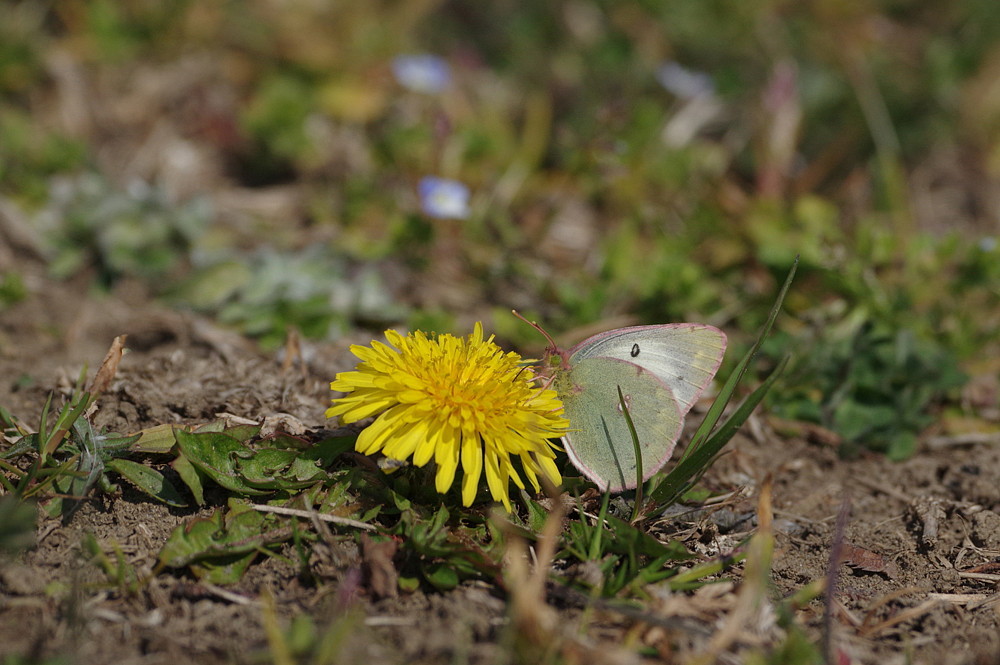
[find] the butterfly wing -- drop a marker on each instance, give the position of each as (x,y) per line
(684,356)
(599,443)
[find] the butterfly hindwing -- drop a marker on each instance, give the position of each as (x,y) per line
(599,443)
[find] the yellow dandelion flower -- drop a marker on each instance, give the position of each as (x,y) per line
(452,399)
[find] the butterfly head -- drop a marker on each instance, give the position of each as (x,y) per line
(555,359)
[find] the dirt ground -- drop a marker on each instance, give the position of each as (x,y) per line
(922,540)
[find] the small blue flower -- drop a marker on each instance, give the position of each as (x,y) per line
(683,82)
(443,198)
(422,73)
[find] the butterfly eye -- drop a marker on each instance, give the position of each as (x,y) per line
(635,350)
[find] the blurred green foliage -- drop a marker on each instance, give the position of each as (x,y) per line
(21,46)
(91,224)
(30,155)
(873,386)
(12,289)
(314,290)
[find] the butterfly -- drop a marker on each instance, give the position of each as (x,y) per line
(661,370)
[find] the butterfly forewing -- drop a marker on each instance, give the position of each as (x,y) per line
(684,356)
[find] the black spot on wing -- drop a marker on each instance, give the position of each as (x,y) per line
(635,350)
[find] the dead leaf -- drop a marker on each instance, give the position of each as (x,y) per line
(292,351)
(991,568)
(281,422)
(377,555)
(109,367)
(860,558)
(929,511)
(530,612)
(752,614)
(811,432)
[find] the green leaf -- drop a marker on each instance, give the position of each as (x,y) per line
(636,450)
(214,285)
(227,533)
(726,394)
(441,576)
(214,426)
(537,514)
(159,439)
(691,578)
(189,474)
(23,445)
(147,480)
(242,433)
(625,554)
(854,421)
(217,455)
(409,584)
(327,450)
(276,469)
(628,539)
(223,570)
(902,446)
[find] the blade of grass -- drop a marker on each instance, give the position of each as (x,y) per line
(694,577)
(6,485)
(8,422)
(686,472)
(67,417)
(333,639)
(705,445)
(43,426)
(596,546)
(46,477)
(725,395)
(638,455)
(23,485)
(279,649)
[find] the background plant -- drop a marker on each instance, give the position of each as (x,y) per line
(260,162)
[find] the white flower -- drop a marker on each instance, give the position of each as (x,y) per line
(422,73)
(683,82)
(443,198)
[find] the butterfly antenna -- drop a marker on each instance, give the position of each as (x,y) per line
(545,386)
(548,382)
(548,337)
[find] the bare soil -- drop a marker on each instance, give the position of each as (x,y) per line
(921,544)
